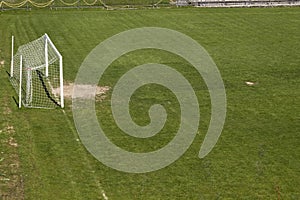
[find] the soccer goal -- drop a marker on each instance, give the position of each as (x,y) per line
(37,74)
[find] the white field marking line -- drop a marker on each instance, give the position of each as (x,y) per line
(76,136)
(104,195)
(70,125)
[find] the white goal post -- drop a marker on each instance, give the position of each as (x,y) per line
(37,74)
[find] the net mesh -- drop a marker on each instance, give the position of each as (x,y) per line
(37,89)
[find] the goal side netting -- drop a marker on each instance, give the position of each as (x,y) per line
(37,74)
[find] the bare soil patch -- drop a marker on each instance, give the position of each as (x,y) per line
(68,91)
(11,181)
(6,110)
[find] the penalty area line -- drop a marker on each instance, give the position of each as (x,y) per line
(87,161)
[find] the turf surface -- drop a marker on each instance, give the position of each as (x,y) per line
(257,155)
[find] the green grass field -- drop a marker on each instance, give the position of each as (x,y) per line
(257,155)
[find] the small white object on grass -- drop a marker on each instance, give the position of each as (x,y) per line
(250,83)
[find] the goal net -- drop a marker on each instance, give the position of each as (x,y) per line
(36,74)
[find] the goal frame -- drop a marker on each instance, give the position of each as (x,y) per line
(48,42)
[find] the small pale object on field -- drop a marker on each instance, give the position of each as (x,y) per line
(250,83)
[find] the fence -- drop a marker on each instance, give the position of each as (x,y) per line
(108,4)
(237,3)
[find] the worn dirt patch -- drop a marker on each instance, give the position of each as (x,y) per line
(68,91)
(10,129)
(12,142)
(11,180)
(6,111)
